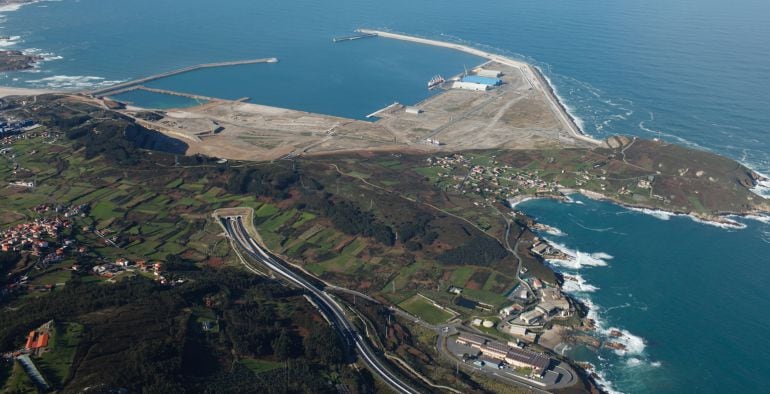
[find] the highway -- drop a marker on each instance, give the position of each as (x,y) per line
(327,306)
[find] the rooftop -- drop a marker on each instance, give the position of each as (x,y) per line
(482,80)
(536,360)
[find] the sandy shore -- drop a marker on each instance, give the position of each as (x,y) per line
(6,91)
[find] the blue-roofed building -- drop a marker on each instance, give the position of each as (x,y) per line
(482,80)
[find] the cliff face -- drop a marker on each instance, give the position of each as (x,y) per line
(16,60)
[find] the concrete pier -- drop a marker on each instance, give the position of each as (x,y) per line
(121,87)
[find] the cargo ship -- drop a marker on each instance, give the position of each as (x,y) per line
(435,81)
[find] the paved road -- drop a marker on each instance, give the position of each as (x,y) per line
(327,306)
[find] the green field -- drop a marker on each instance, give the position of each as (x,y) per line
(258,366)
(424,309)
(55,364)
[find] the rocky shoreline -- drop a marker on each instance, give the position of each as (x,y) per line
(17,61)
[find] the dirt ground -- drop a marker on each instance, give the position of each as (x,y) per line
(515,115)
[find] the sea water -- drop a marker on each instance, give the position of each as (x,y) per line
(690,296)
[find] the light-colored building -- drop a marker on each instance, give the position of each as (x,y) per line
(531,317)
(482,80)
(517,330)
(526,359)
(471,340)
(413,110)
(508,310)
(477,87)
(496,350)
(483,72)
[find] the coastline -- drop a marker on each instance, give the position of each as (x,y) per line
(537,78)
(721,220)
(6,91)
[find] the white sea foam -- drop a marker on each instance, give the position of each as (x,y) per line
(762,188)
(46,56)
(11,7)
(633,362)
(579,259)
(635,345)
(605,383)
(570,111)
(555,232)
(727,225)
(73,82)
(598,230)
(577,284)
(16,6)
(663,215)
(10,41)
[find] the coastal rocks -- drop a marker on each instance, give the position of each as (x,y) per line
(16,61)
(614,345)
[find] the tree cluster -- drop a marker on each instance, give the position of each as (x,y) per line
(477,251)
(350,219)
(273,182)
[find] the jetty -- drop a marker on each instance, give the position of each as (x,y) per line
(125,86)
(355,37)
(379,111)
(531,74)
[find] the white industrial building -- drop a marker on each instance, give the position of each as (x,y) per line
(478,87)
(413,110)
(532,316)
(482,72)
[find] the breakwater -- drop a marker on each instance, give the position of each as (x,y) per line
(125,86)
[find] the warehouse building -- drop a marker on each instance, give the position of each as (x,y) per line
(476,83)
(483,72)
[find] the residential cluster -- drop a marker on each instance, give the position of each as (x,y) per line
(35,236)
(496,180)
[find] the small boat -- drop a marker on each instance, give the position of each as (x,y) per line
(435,81)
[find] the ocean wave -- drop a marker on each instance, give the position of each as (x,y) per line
(637,362)
(658,132)
(579,259)
(570,111)
(68,82)
(16,6)
(557,232)
(757,218)
(598,230)
(10,41)
(46,56)
(762,189)
(634,345)
(663,215)
(577,284)
(604,383)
